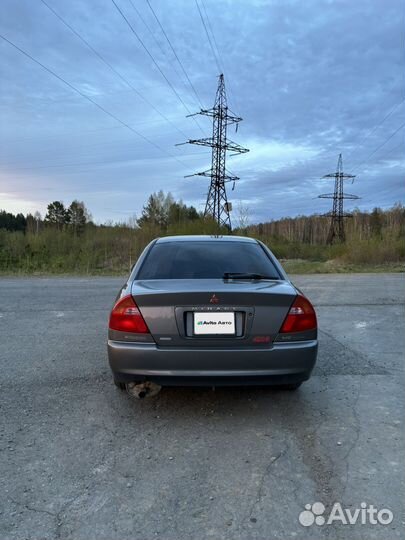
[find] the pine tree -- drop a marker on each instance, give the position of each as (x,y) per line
(56,214)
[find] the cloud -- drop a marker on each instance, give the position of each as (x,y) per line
(272,155)
(311,79)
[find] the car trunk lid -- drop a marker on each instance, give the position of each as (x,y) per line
(169,307)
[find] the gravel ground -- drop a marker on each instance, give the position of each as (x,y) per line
(82,460)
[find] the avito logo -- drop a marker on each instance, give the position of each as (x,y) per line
(314,513)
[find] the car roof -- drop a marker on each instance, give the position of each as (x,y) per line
(205,238)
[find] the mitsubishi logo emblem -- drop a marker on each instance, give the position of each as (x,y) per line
(214,299)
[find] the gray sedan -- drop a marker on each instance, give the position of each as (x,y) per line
(211,310)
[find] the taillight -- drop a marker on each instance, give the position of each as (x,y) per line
(300,318)
(126,317)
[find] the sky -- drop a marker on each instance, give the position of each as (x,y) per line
(95,111)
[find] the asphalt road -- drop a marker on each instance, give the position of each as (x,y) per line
(82,460)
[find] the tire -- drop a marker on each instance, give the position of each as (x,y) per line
(120,385)
(291,386)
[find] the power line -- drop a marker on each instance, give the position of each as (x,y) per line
(379,147)
(230,86)
(392,110)
(154,61)
(68,144)
(80,93)
(110,66)
(400,145)
(218,53)
(139,14)
(163,50)
(156,41)
(69,149)
(374,129)
(391,206)
(208,37)
(80,164)
(98,130)
(370,132)
(174,52)
(213,35)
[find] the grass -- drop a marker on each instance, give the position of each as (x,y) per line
(291,266)
(300,266)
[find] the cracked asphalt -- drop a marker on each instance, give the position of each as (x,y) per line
(82,460)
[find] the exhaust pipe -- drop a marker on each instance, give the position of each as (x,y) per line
(143,390)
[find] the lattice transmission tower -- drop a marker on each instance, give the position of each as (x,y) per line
(217,205)
(336,230)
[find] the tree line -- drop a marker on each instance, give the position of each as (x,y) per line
(314,229)
(67,240)
(161,210)
(74,217)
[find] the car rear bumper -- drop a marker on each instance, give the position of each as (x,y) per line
(282,363)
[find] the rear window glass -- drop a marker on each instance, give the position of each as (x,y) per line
(205,260)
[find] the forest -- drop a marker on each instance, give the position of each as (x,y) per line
(67,241)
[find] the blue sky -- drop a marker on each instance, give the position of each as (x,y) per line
(310,78)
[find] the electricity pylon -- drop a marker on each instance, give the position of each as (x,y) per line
(336,230)
(217,204)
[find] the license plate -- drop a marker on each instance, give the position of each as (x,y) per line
(214,323)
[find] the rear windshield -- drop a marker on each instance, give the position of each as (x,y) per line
(205,260)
